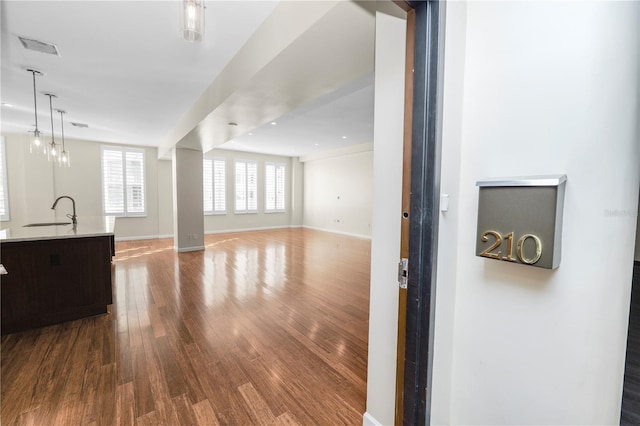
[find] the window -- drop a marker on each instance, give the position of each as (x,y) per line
(213,175)
(4,193)
(123,186)
(274,187)
(246,187)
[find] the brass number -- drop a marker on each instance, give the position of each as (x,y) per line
(496,244)
(509,257)
(535,258)
(519,247)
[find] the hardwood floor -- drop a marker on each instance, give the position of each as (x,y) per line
(264,327)
(630,412)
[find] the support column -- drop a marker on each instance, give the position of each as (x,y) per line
(188,213)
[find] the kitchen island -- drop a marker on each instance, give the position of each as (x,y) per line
(55,273)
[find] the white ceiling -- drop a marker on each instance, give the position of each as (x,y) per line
(124,71)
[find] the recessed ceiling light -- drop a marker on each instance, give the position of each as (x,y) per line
(344,137)
(315,144)
(7,105)
(250,134)
(273,123)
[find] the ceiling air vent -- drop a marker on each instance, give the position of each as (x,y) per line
(79,124)
(39,46)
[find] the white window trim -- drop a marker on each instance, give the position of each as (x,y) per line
(275,210)
(235,183)
(213,188)
(5,183)
(124,150)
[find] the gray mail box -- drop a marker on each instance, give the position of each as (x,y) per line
(520,220)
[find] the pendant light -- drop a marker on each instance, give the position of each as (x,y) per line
(64,159)
(52,147)
(192,23)
(36,144)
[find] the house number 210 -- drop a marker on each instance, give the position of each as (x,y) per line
(497,237)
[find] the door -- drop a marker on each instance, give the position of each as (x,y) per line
(420,240)
(406,205)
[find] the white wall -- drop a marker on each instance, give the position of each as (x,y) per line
(188,204)
(165,198)
(387,214)
(448,263)
(547,88)
(34,183)
(233,222)
(339,194)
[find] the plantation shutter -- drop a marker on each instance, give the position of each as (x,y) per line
(219,186)
(123,181)
(135,181)
(246,187)
(252,187)
(112,181)
(274,187)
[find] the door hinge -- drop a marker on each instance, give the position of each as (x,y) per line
(403,272)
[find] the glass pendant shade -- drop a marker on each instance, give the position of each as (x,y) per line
(52,146)
(64,159)
(192,20)
(36,142)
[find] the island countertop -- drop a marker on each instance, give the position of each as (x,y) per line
(88,226)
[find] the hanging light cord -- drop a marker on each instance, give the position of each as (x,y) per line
(62,125)
(53,139)
(35,102)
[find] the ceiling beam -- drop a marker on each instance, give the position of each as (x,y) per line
(302,51)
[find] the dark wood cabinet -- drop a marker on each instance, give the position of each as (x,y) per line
(51,281)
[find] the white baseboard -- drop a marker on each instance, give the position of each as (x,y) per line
(369,420)
(333,231)
(264,228)
(186,249)
(144,237)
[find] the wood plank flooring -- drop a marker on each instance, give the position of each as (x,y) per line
(261,328)
(630,412)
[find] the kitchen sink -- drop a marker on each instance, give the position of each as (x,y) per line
(46,224)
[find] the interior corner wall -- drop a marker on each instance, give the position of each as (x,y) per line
(34,184)
(549,87)
(339,194)
(388,134)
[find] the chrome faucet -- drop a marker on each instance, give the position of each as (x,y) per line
(73,217)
